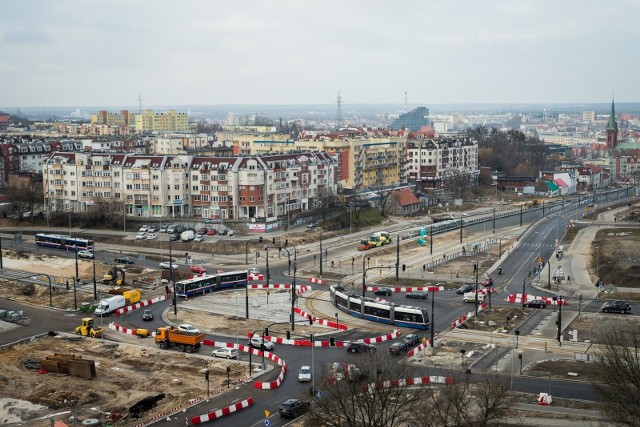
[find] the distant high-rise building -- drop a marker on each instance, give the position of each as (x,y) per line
(612,128)
(413,120)
(589,116)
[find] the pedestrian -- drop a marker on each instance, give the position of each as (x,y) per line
(569,279)
(67,284)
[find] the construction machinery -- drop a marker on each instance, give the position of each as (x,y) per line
(168,336)
(114,277)
(364,245)
(380,238)
(87,329)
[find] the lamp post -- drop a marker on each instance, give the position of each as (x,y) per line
(494,220)
(246,248)
(313,368)
(95,287)
(559,337)
(433,314)
(320,255)
(50,290)
(173,283)
(280,249)
(75,282)
(475,269)
(293,297)
(397,258)
(364,274)
(1,253)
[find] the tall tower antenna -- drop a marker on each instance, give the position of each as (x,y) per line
(139,103)
(339,118)
(405,102)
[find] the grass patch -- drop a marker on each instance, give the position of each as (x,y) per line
(629,296)
(559,369)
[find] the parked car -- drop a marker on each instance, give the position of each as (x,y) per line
(143,229)
(222,232)
(398,348)
(124,260)
(536,303)
(471,297)
(304,374)
(383,291)
(225,352)
(180,229)
(360,347)
(147,315)
(152,229)
(616,306)
(411,340)
(174,237)
(171,228)
(202,231)
(197,269)
(292,408)
(151,236)
(85,254)
(312,225)
(199,238)
(185,327)
(141,236)
(165,266)
(417,295)
(253,270)
(256,342)
(211,232)
(163,229)
(465,288)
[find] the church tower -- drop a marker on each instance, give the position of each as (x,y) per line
(612,128)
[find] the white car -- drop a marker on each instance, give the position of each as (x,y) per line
(199,238)
(85,254)
(226,352)
(165,266)
(254,270)
(151,236)
(141,236)
(304,374)
(143,229)
(185,327)
(471,297)
(256,342)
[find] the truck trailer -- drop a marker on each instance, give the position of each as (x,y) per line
(169,336)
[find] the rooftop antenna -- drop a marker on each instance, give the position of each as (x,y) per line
(339,118)
(139,103)
(405,101)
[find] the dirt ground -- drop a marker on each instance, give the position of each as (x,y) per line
(616,257)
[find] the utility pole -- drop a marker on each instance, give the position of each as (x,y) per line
(398,258)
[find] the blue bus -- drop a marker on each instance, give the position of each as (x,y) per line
(63,242)
(199,285)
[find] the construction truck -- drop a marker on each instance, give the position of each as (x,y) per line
(364,245)
(131,296)
(86,329)
(168,336)
(114,277)
(380,238)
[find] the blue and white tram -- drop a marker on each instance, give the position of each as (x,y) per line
(389,313)
(210,282)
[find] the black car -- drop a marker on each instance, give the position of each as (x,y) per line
(124,260)
(360,347)
(174,237)
(293,408)
(383,291)
(464,289)
(411,340)
(417,295)
(616,307)
(398,348)
(536,303)
(147,315)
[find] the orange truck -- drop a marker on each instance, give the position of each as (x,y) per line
(364,245)
(168,336)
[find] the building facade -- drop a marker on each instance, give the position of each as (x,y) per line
(412,120)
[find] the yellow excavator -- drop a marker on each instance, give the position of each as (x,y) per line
(86,329)
(114,277)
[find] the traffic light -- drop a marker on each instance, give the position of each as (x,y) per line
(266,332)
(332,341)
(404,267)
(310,321)
(228,369)
(206,375)
(286,243)
(273,241)
(260,239)
(288,335)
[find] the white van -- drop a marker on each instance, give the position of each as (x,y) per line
(471,297)
(110,305)
(188,235)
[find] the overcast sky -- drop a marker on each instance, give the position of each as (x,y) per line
(83,52)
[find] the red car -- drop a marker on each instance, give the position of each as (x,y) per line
(203,231)
(211,232)
(197,269)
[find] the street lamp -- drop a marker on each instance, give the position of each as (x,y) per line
(75,282)
(280,249)
(364,274)
(475,269)
(95,287)
(433,311)
(293,297)
(175,299)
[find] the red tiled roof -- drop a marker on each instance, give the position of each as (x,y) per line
(405,197)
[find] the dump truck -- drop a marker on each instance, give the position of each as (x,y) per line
(86,329)
(380,238)
(168,336)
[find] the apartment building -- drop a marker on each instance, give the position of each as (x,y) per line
(183,185)
(147,121)
(172,143)
(431,163)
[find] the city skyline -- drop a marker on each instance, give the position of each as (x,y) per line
(295,53)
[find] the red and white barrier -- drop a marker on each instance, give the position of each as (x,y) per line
(327,323)
(517,298)
(318,281)
(140,304)
(433,379)
(168,412)
(270,286)
(467,316)
(255,277)
(219,413)
(430,288)
(544,399)
(395,334)
(127,331)
(303,289)
(414,351)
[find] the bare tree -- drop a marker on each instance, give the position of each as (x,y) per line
(617,373)
(25,196)
(325,201)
